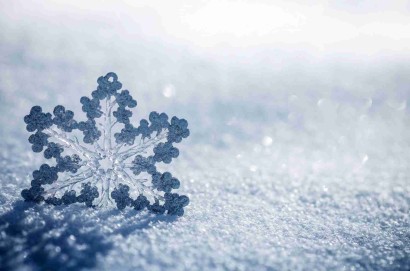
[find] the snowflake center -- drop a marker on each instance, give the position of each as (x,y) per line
(106,162)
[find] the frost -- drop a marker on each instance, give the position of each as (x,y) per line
(117,162)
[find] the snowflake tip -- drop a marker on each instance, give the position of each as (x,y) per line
(177,130)
(111,77)
(36,109)
(175,203)
(37,120)
(107,86)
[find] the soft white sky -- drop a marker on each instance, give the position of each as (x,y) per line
(364,27)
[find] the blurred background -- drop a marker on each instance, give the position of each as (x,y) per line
(317,67)
(293,101)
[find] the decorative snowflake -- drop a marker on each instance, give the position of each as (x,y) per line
(101,172)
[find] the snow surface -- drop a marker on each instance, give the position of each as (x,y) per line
(299,167)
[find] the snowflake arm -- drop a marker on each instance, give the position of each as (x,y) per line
(116,161)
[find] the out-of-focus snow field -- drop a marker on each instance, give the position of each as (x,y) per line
(299,154)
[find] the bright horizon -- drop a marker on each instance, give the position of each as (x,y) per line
(369,28)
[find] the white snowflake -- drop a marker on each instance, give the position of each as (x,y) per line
(117,163)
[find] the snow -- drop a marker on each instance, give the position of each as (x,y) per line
(299,167)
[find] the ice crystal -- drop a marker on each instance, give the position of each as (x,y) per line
(117,163)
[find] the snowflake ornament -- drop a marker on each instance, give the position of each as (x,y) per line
(117,163)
